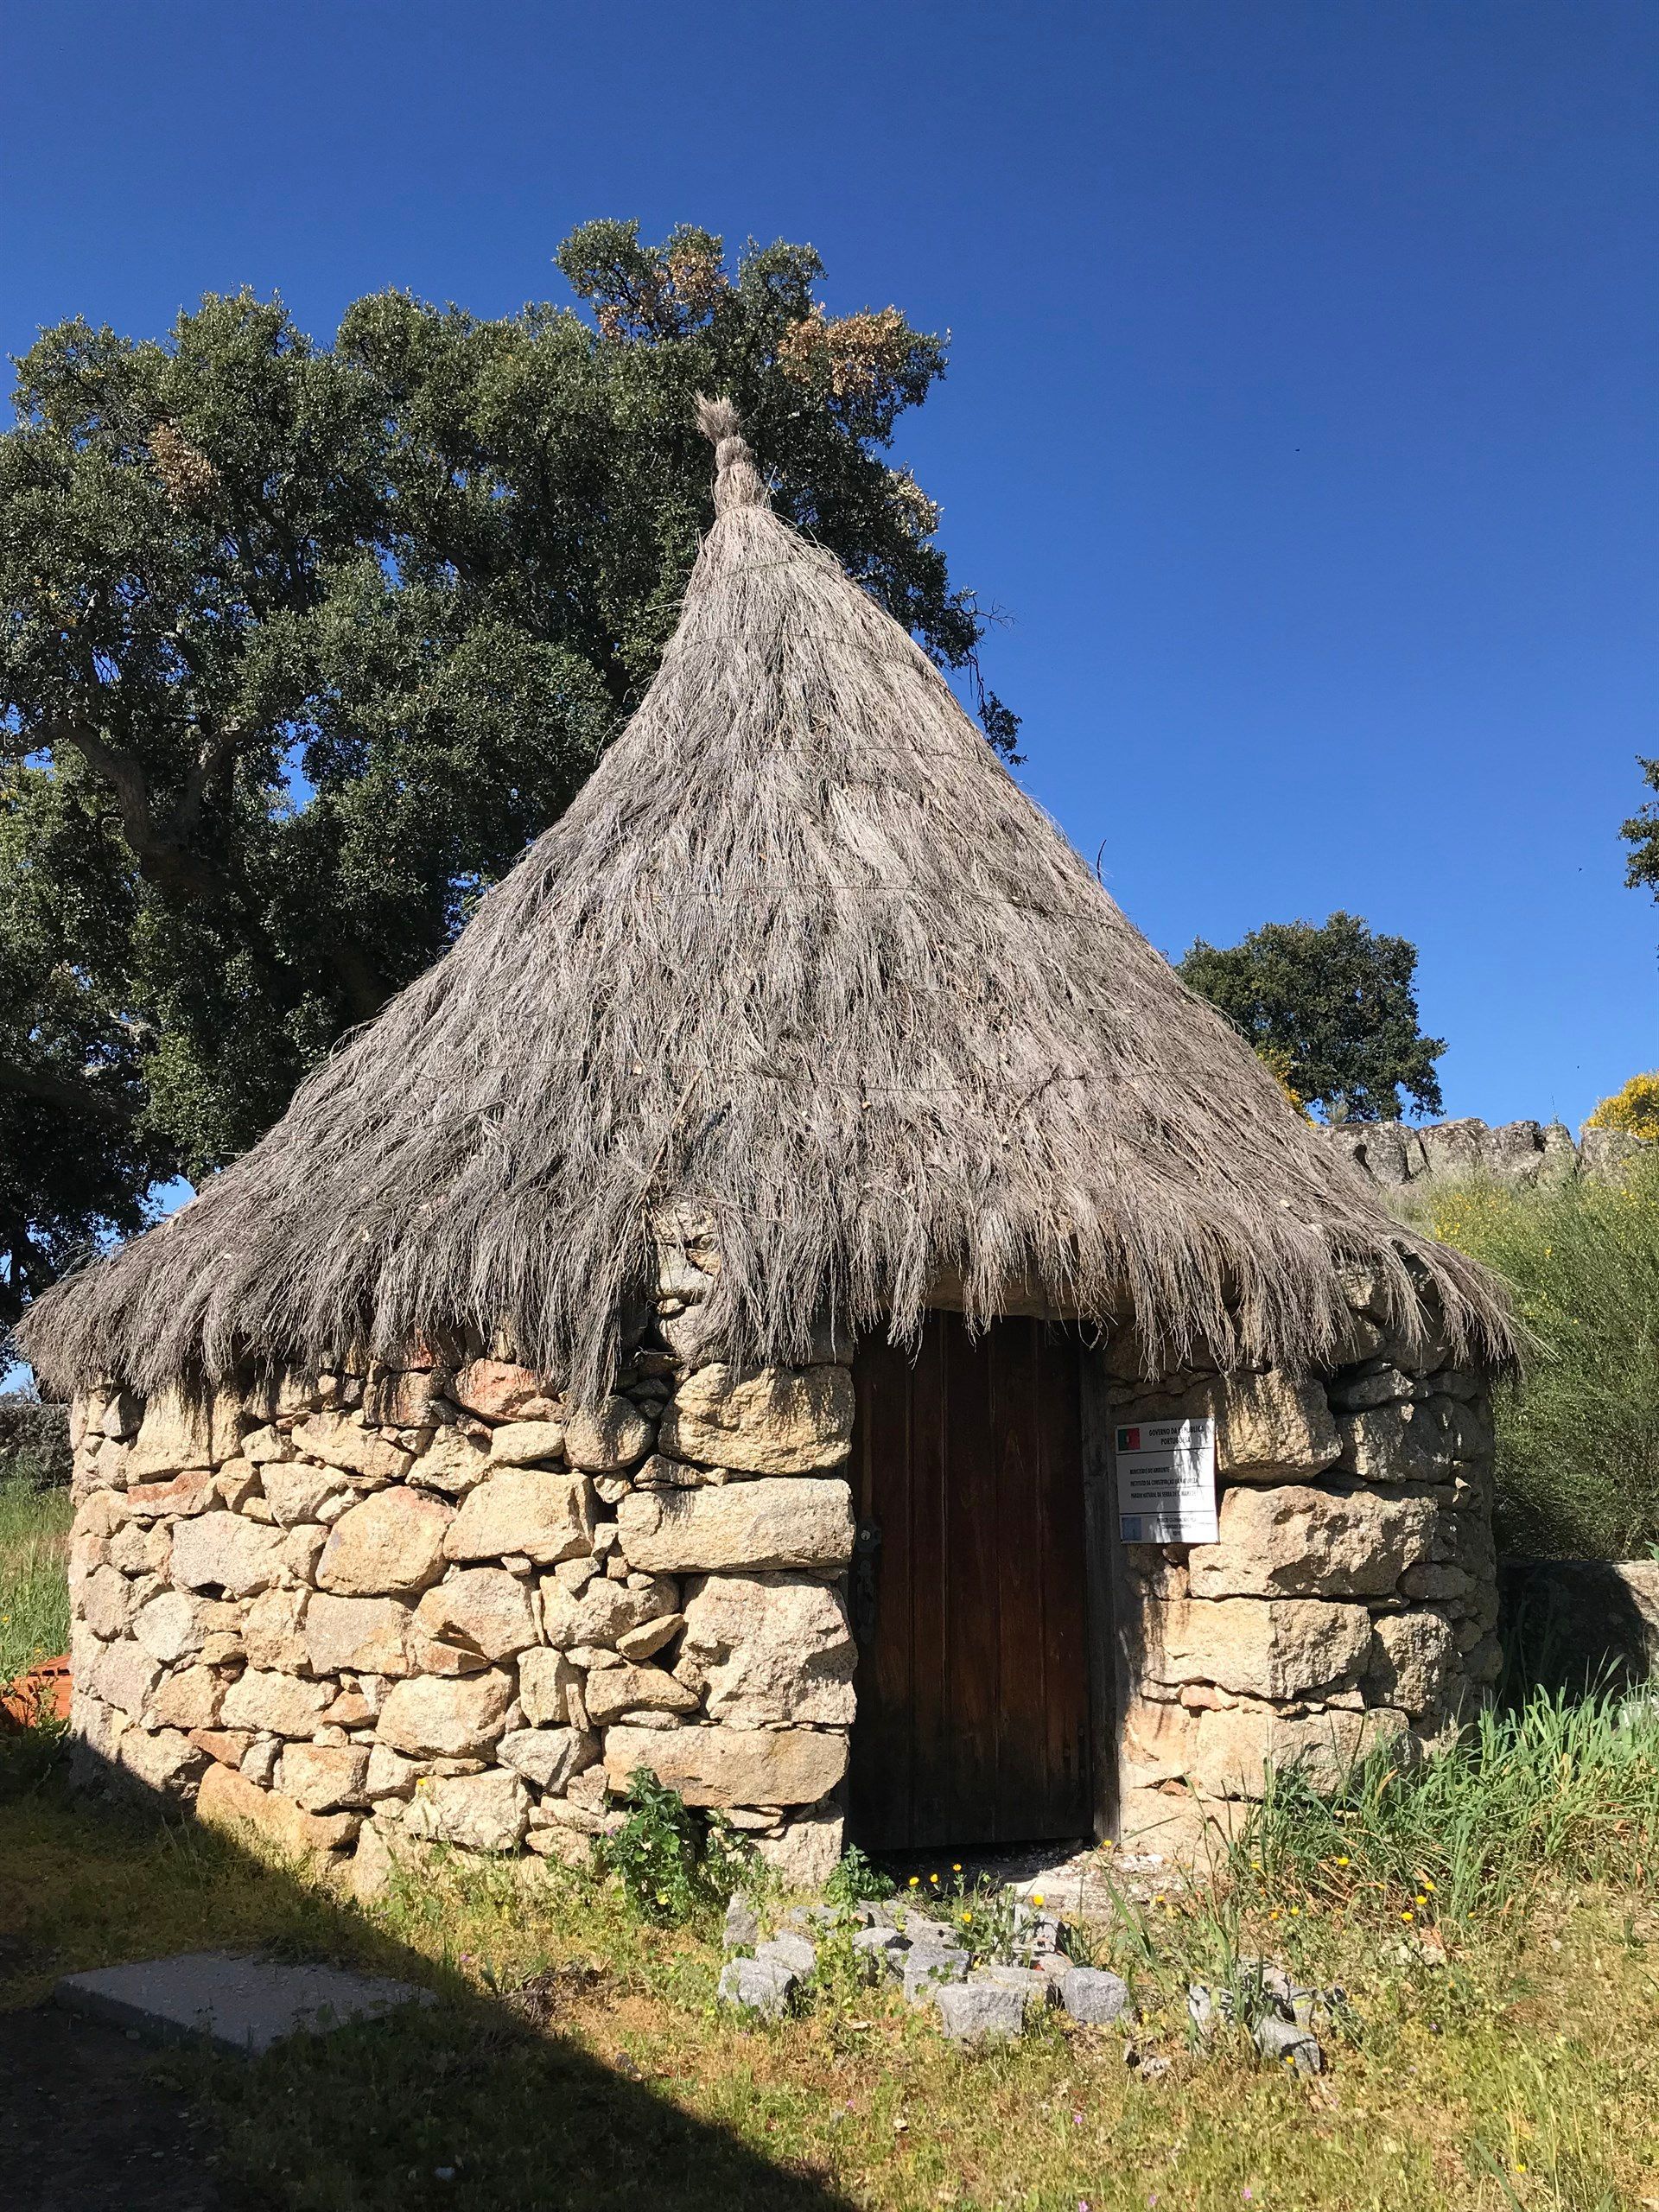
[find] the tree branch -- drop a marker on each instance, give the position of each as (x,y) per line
(215,751)
(161,851)
(166,858)
(52,1089)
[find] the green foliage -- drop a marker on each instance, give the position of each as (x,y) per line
(33,1616)
(1280,1064)
(673,1860)
(300,645)
(853,1879)
(986,1914)
(31,1755)
(1331,1009)
(34,1588)
(1633,1107)
(1641,833)
(75,1158)
(1551,1787)
(1578,1439)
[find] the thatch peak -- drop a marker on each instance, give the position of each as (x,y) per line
(801,962)
(738,482)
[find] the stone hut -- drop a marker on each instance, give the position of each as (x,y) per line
(704,1323)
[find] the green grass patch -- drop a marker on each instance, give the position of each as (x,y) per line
(1550,1790)
(1493,2051)
(34,1557)
(1578,1439)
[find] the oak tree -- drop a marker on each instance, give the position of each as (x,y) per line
(1331,1008)
(300,643)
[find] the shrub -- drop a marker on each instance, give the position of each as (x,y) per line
(1578,1439)
(33,1439)
(853,1879)
(1634,1110)
(672,1859)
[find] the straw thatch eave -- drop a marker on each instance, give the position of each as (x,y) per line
(804,962)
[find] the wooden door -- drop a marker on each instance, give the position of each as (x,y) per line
(968,1590)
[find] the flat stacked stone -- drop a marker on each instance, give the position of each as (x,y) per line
(367,1611)
(1351,1598)
(435,1603)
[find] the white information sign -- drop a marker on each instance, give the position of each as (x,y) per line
(1166,1481)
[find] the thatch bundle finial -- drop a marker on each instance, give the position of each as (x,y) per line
(737,480)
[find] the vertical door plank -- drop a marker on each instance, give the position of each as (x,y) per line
(1059,1491)
(1024,1784)
(932,1721)
(1108,1678)
(883,1754)
(972,1592)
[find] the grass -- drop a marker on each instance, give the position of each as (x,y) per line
(1549,1788)
(33,1548)
(1490,1917)
(1493,2049)
(1578,1441)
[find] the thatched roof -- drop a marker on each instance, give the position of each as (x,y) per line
(801,960)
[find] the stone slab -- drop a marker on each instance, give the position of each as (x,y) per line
(238,2004)
(982,2011)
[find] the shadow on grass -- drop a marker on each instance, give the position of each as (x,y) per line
(480,2101)
(1572,1627)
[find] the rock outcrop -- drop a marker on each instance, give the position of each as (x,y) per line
(1395,1154)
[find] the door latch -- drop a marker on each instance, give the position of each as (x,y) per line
(867,1544)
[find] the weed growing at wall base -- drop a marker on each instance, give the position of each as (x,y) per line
(673,1860)
(1551,1789)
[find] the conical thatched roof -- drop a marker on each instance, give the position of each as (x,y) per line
(804,962)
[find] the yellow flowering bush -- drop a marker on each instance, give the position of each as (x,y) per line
(1635,1109)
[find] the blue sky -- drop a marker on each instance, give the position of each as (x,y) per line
(1301,410)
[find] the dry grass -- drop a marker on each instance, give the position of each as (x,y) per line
(801,962)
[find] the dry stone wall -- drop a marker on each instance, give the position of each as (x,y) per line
(1352,1596)
(367,1613)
